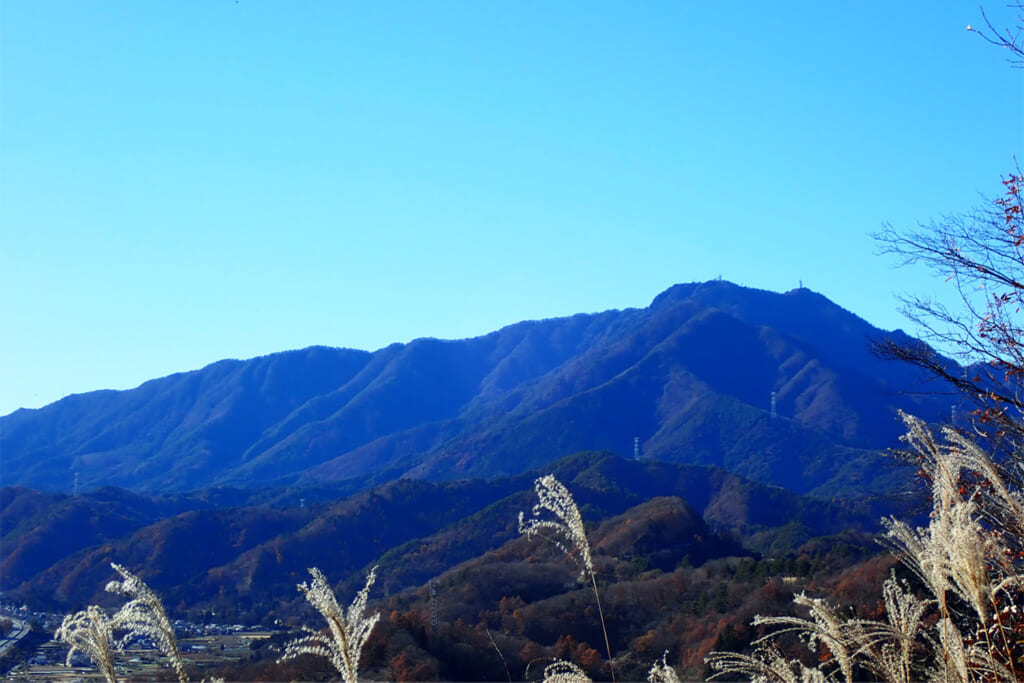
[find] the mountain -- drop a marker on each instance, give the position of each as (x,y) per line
(245,560)
(691,375)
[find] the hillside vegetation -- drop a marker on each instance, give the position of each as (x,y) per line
(691,375)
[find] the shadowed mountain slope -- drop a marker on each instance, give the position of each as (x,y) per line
(245,560)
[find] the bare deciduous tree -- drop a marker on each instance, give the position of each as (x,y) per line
(981,253)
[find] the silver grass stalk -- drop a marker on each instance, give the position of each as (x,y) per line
(973,458)
(926,558)
(951,664)
(766,665)
(349,629)
(566,530)
(963,661)
(561,671)
(953,552)
(144,615)
(567,533)
(893,659)
(661,672)
(966,550)
(844,638)
(91,633)
(970,549)
(956,553)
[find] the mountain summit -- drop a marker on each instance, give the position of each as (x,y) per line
(692,376)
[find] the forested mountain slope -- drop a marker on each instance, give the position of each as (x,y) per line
(691,376)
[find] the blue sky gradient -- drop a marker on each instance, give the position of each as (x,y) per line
(187,181)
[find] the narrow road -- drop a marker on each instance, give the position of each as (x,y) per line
(19,631)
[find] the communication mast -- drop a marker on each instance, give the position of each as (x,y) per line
(775,413)
(433,607)
(636,447)
(75,493)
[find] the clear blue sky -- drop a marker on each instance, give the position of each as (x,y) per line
(187,181)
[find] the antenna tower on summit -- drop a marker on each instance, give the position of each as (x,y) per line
(775,413)
(636,447)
